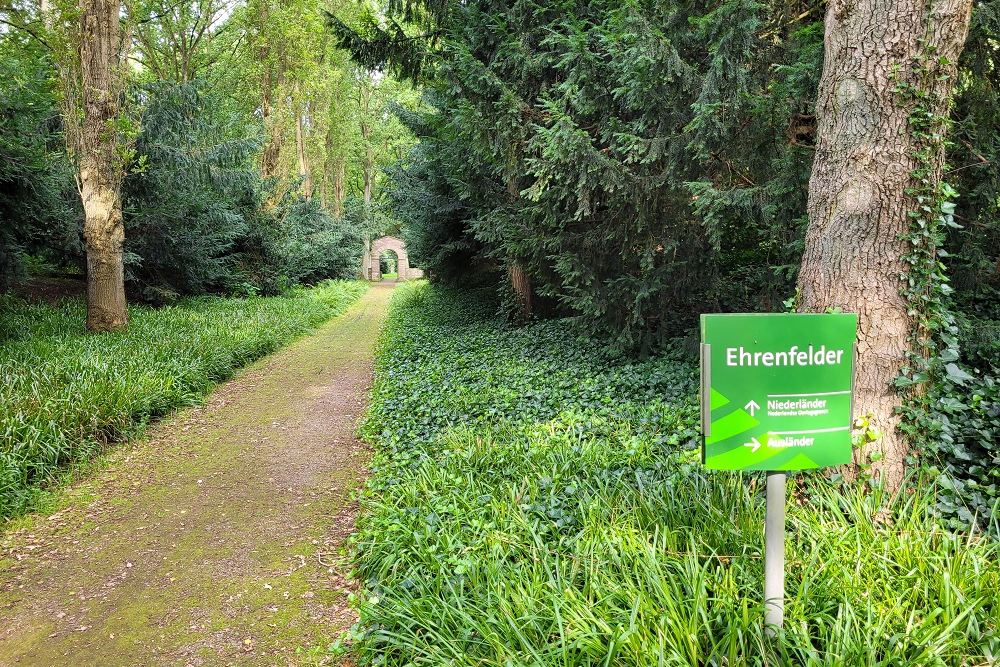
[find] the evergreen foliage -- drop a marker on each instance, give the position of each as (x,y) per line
(434,189)
(39,210)
(645,162)
(183,201)
(315,245)
(642,161)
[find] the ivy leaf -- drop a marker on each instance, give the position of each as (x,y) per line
(956,374)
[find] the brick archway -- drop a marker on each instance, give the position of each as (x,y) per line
(378,246)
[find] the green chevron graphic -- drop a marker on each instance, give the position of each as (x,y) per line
(779,390)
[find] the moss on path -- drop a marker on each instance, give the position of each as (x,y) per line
(216,540)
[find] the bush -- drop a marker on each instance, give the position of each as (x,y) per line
(316,246)
(536,500)
(65,394)
(198,218)
(189,197)
(39,208)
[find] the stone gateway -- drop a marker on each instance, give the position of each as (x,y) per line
(371,269)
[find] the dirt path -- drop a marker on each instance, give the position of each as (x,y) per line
(217,540)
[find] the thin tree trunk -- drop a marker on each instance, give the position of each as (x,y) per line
(300,145)
(369,167)
(272,149)
(270,81)
(339,185)
(101,170)
(858,202)
(334,174)
(364,106)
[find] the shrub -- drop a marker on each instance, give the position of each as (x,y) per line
(39,207)
(186,200)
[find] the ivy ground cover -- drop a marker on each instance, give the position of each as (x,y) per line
(64,394)
(538,501)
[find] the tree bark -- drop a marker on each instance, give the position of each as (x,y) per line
(271,79)
(101,168)
(335,171)
(339,186)
(858,202)
(521,282)
(272,149)
(300,145)
(368,166)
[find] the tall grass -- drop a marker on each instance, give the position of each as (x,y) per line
(65,394)
(536,501)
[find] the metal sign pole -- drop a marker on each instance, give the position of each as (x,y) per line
(774,554)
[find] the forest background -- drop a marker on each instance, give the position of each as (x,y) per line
(251,148)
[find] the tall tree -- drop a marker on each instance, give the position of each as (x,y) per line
(365,119)
(883,63)
(174,41)
(101,164)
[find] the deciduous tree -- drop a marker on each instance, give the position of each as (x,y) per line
(101,163)
(884,62)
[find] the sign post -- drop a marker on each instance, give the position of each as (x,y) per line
(776,395)
(774,553)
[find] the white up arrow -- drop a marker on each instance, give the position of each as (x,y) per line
(754,445)
(752,407)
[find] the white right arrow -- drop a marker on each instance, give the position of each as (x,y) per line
(754,445)
(751,407)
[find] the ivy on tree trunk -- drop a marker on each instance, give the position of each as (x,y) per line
(860,191)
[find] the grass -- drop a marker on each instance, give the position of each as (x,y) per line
(66,394)
(538,501)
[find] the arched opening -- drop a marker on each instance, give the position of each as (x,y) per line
(385,258)
(388,264)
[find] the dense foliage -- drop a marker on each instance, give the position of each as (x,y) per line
(536,500)
(191,200)
(37,211)
(645,162)
(244,133)
(642,161)
(65,395)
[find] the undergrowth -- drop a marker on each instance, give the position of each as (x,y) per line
(538,501)
(66,394)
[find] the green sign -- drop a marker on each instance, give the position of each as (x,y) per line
(776,390)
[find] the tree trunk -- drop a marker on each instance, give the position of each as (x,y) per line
(101,168)
(858,202)
(271,79)
(272,149)
(368,167)
(521,282)
(339,186)
(300,145)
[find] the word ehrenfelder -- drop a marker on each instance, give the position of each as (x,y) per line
(793,357)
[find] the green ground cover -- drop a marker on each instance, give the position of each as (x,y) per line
(537,501)
(65,394)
